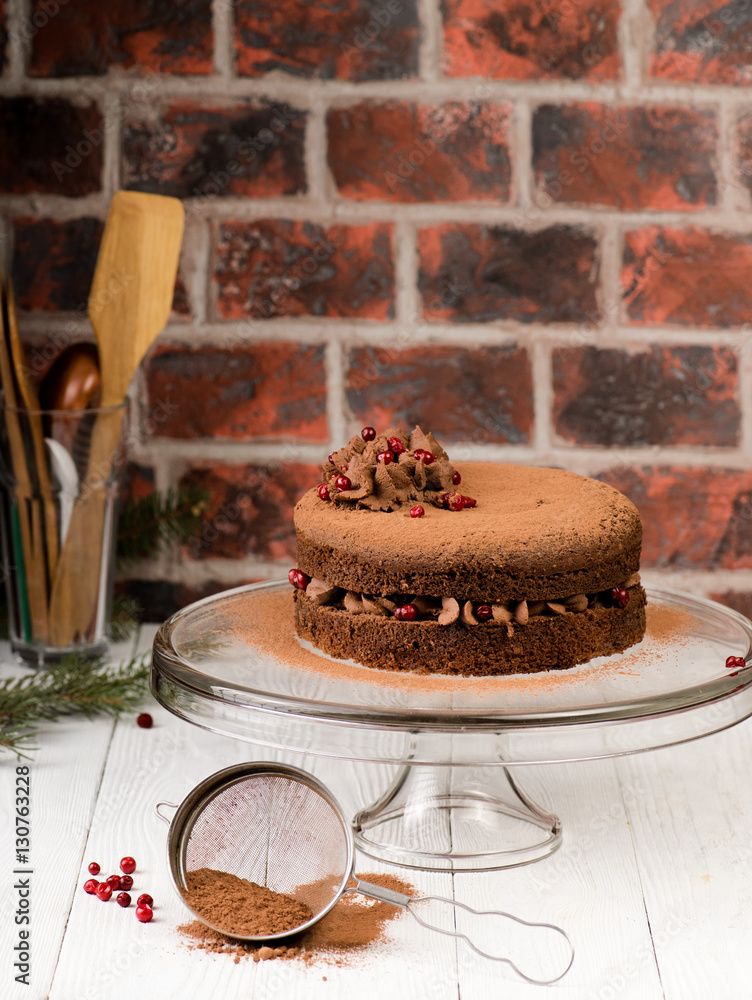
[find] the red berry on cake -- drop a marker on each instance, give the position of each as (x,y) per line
(469,502)
(323,489)
(483,612)
(331,459)
(426,457)
(395,446)
(417,511)
(368,433)
(619,597)
(456,479)
(342,483)
(385,456)
(298,579)
(735,662)
(406,613)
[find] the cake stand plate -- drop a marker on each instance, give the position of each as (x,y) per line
(233,664)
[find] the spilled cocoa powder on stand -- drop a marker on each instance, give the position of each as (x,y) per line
(350,927)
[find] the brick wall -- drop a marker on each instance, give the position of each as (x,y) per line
(526,226)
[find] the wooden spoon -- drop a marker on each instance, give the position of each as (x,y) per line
(129,304)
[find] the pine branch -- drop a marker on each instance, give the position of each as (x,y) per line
(159,519)
(75,686)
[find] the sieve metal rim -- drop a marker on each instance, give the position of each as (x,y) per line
(199,798)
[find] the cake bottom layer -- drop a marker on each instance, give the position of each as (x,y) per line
(544,643)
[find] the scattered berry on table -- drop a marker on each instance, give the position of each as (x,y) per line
(114,881)
(126,882)
(90,886)
(94,868)
(104,891)
(123,899)
(144,913)
(128,865)
(145,900)
(144,721)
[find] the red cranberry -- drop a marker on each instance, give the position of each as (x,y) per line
(90,886)
(123,899)
(456,479)
(113,881)
(452,501)
(104,891)
(323,491)
(94,868)
(368,433)
(484,612)
(619,597)
(417,511)
(128,865)
(385,456)
(406,613)
(342,483)
(144,721)
(469,502)
(425,456)
(331,459)
(396,446)
(144,914)
(126,882)
(145,900)
(735,662)
(298,579)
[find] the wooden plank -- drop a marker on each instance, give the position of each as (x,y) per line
(589,887)
(690,815)
(65,774)
(166,762)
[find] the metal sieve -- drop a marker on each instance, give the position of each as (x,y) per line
(279,827)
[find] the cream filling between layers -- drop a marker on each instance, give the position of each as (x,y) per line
(447,610)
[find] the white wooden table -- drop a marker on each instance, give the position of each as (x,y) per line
(653,882)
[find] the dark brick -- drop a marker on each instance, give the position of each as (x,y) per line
(3,37)
(54,262)
(260,390)
(692,518)
(628,158)
(744,150)
(687,277)
(402,151)
(181,302)
(51,146)
(158,600)
(662,395)
(88,37)
(252,149)
(250,510)
(484,395)
(471,273)
(702,41)
(528,41)
(329,39)
(278,267)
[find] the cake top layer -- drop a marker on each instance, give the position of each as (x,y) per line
(533,530)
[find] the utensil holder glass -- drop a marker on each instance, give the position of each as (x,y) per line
(60,472)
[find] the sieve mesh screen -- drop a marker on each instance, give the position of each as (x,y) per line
(276,831)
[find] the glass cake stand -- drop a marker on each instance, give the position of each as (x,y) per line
(233,664)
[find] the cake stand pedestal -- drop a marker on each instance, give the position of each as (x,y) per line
(456,803)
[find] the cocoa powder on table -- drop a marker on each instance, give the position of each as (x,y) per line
(350,927)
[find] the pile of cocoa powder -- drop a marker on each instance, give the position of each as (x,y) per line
(250,909)
(349,928)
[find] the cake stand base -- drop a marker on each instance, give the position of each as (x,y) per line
(446,818)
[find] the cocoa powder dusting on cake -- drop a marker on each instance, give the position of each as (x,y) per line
(350,927)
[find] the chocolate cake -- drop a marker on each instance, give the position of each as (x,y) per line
(526,569)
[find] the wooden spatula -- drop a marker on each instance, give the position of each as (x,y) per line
(129,304)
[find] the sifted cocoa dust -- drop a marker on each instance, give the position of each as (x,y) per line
(249,909)
(348,929)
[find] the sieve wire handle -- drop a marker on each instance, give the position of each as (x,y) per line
(168,805)
(407,903)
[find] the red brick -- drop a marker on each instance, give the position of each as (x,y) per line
(401,151)
(687,277)
(138,482)
(250,510)
(523,41)
(678,395)
(702,41)
(262,390)
(740,601)
(471,273)
(484,395)
(88,37)
(277,267)
(692,518)
(628,158)
(54,262)
(50,146)
(330,39)
(251,149)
